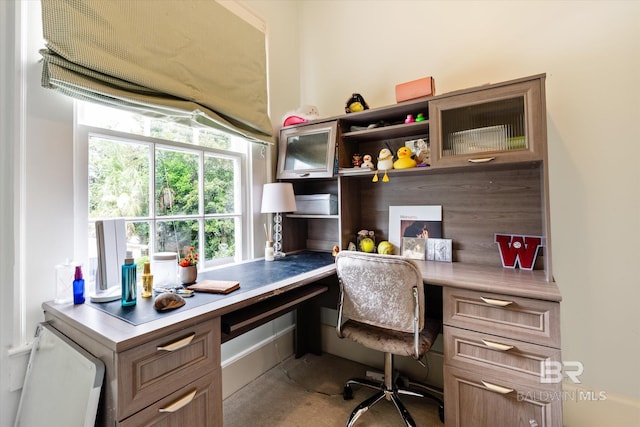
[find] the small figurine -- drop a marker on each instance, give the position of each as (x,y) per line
(404,159)
(355,104)
(385,162)
(409,119)
(367,163)
(422,153)
(420,117)
(356,160)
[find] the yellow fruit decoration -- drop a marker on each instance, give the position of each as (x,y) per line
(367,245)
(385,248)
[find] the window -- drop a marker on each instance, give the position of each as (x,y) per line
(175,186)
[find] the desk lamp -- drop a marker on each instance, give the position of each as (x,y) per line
(278,197)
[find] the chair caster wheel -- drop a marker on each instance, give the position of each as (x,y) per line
(441,413)
(347,393)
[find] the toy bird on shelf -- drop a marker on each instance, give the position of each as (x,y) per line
(385,162)
(404,159)
(367,163)
(355,104)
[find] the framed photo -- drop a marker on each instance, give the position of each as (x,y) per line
(420,222)
(439,250)
(413,247)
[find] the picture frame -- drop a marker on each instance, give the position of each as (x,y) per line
(439,250)
(414,222)
(414,248)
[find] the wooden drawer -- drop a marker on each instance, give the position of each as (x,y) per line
(523,319)
(482,399)
(196,405)
(157,368)
(512,359)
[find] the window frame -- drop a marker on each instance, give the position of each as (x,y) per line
(82,134)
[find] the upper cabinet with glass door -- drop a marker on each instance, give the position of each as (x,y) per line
(501,123)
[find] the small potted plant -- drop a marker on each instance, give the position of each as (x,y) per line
(188,266)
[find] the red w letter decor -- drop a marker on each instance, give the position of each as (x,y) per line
(518,249)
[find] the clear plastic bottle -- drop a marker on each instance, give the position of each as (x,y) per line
(129,285)
(78,286)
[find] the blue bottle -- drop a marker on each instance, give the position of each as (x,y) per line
(78,286)
(129,288)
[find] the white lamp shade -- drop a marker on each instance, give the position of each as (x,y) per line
(278,197)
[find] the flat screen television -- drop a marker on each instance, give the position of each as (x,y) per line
(307,151)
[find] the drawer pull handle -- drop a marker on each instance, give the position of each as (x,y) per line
(177,345)
(496,302)
(497,388)
(483,160)
(497,346)
(180,403)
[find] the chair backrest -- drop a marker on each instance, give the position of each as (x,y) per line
(379,290)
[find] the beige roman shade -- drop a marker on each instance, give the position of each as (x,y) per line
(191,61)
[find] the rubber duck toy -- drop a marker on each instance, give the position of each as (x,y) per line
(367,163)
(409,119)
(385,162)
(404,159)
(355,104)
(420,117)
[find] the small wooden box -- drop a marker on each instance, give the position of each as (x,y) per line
(415,89)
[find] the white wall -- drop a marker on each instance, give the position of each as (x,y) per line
(36,214)
(590,52)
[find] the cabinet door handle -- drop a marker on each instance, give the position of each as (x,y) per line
(496,302)
(177,345)
(497,346)
(497,388)
(482,160)
(180,403)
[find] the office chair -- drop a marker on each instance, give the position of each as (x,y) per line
(381,306)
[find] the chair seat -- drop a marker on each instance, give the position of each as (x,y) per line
(390,341)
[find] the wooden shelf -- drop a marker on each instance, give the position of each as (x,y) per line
(387,132)
(309,216)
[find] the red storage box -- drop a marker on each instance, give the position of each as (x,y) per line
(415,89)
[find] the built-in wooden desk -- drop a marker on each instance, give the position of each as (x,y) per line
(167,370)
(500,325)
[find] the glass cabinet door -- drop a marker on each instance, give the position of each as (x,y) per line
(502,124)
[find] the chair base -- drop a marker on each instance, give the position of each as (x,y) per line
(390,390)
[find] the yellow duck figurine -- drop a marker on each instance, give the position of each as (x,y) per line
(404,159)
(385,162)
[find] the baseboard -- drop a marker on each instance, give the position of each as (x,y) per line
(587,407)
(255,361)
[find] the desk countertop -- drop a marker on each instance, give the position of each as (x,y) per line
(119,335)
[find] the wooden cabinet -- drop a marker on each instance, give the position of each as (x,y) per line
(500,124)
(162,366)
(488,171)
(167,377)
(496,350)
(474,399)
